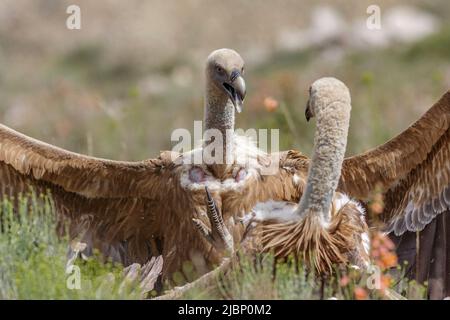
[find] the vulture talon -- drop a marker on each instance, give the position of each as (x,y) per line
(203,228)
(218,236)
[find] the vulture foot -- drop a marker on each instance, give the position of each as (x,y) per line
(218,236)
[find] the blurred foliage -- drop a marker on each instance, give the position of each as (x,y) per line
(33,266)
(34,257)
(264,278)
(435,46)
(104,99)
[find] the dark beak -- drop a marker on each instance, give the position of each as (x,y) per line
(236,90)
(308,114)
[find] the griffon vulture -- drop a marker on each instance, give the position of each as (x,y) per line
(413,172)
(325,227)
(132,211)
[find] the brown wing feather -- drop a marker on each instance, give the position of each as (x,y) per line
(394,160)
(103,223)
(413,169)
(124,209)
(87,176)
(127,229)
(416,200)
(417,159)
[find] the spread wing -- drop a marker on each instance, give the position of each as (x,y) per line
(87,176)
(413,169)
(425,192)
(124,209)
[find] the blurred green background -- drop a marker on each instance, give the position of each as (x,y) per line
(118,87)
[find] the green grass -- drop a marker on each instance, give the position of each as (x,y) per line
(266,279)
(34,257)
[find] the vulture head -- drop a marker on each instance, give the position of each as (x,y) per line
(323,92)
(224,71)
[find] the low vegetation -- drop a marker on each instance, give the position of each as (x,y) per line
(34,266)
(34,257)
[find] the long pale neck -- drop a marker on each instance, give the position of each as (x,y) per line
(330,142)
(219,118)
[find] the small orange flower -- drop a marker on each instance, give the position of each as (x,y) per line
(383,251)
(360,293)
(389,260)
(344,281)
(270,104)
(377,204)
(385,282)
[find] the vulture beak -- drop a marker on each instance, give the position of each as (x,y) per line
(236,89)
(308,113)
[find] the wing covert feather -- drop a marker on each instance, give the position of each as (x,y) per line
(387,164)
(88,176)
(416,200)
(413,170)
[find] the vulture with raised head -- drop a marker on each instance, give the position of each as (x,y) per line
(325,227)
(131,211)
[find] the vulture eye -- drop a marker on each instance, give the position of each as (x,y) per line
(220,70)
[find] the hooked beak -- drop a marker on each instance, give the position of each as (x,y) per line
(308,113)
(236,90)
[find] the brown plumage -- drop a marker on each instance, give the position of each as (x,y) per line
(115,199)
(413,171)
(130,211)
(320,248)
(413,167)
(127,209)
(385,166)
(325,228)
(123,209)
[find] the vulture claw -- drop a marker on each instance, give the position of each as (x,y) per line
(218,236)
(204,230)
